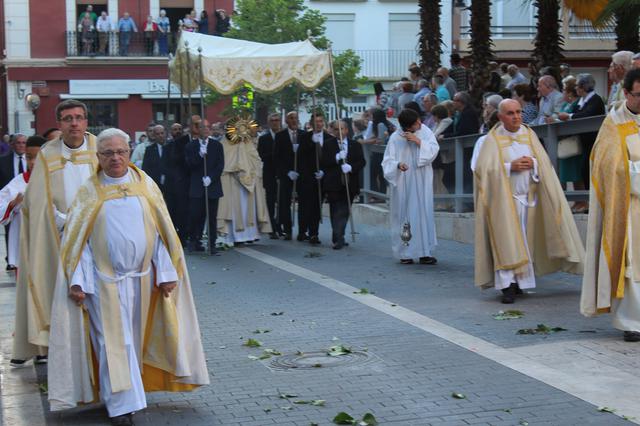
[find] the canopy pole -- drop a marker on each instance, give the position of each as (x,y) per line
(181,72)
(186,46)
(207,232)
(340,144)
(315,145)
(168,107)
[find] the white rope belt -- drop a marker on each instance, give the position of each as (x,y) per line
(132,274)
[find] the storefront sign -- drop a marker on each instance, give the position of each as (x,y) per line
(120,87)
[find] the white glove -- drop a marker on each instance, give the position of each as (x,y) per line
(206,181)
(346,168)
(319,174)
(317,137)
(293,175)
(203,150)
(295,147)
(342,155)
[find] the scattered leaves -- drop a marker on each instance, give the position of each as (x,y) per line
(606,410)
(277,314)
(508,315)
(259,331)
(291,280)
(272,352)
(338,350)
(368,420)
(628,418)
(311,254)
(266,410)
(364,291)
(287,395)
(252,343)
(507,410)
(523,423)
(211,282)
(541,329)
(458,395)
(317,365)
(286,408)
(343,418)
(299,353)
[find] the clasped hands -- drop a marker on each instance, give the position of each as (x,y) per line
(411,137)
(77,295)
(521,164)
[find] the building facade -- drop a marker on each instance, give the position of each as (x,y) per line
(47,51)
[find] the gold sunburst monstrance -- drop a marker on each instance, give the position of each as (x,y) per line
(241,130)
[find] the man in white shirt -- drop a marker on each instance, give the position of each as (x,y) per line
(104,26)
(550,100)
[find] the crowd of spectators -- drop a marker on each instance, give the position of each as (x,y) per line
(445,106)
(156,34)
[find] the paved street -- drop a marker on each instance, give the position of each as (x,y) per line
(422,334)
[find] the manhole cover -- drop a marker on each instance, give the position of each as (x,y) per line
(319,360)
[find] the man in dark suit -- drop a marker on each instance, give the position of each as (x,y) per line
(155,162)
(342,163)
(266,144)
(178,178)
(311,174)
(468,123)
(286,167)
(203,148)
(11,165)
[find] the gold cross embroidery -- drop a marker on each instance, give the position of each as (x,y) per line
(124,190)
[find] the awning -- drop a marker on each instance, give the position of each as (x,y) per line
(228,63)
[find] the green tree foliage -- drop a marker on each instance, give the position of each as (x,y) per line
(430,36)
(481,48)
(283,21)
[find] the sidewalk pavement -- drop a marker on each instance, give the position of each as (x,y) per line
(424,335)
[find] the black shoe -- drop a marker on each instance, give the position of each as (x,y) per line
(18,363)
(314,240)
(287,237)
(123,420)
(302,237)
(509,294)
(41,359)
(632,336)
(427,260)
(274,236)
(11,268)
(518,290)
(338,245)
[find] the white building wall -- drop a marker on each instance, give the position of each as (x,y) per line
(19,116)
(18,40)
(372,26)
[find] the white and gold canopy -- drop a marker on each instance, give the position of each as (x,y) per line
(228,63)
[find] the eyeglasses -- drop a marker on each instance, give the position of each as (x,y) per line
(635,95)
(71,118)
(120,153)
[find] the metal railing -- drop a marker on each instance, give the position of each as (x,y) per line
(93,43)
(385,64)
(462,196)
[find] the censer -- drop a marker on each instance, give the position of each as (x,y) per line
(405,234)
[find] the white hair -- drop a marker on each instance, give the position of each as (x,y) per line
(624,58)
(493,100)
(108,134)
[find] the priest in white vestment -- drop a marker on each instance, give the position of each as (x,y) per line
(523,222)
(123,263)
(611,281)
(11,197)
(407,167)
(61,167)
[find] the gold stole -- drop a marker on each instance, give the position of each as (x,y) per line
(633,148)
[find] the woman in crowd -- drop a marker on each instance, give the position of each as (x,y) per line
(150,30)
(164,28)
(203,23)
(522,93)
(589,104)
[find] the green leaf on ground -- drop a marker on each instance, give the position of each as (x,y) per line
(369,420)
(523,423)
(259,331)
(277,314)
(507,410)
(458,395)
(287,395)
(211,282)
(364,291)
(541,329)
(343,418)
(253,357)
(286,408)
(266,410)
(311,254)
(628,418)
(338,350)
(252,343)
(317,365)
(606,410)
(291,280)
(44,388)
(318,402)
(299,353)
(508,315)
(272,352)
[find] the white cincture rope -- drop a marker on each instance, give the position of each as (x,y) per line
(110,279)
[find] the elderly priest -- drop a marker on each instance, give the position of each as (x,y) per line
(122,277)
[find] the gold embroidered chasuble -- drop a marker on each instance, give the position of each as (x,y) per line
(610,234)
(552,235)
(40,244)
(171,354)
(242,169)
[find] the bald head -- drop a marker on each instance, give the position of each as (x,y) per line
(510,114)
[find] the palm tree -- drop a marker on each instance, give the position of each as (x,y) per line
(430,36)
(549,40)
(481,47)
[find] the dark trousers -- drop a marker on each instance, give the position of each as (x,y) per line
(271,190)
(197,218)
(284,206)
(309,205)
(339,214)
(178,205)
